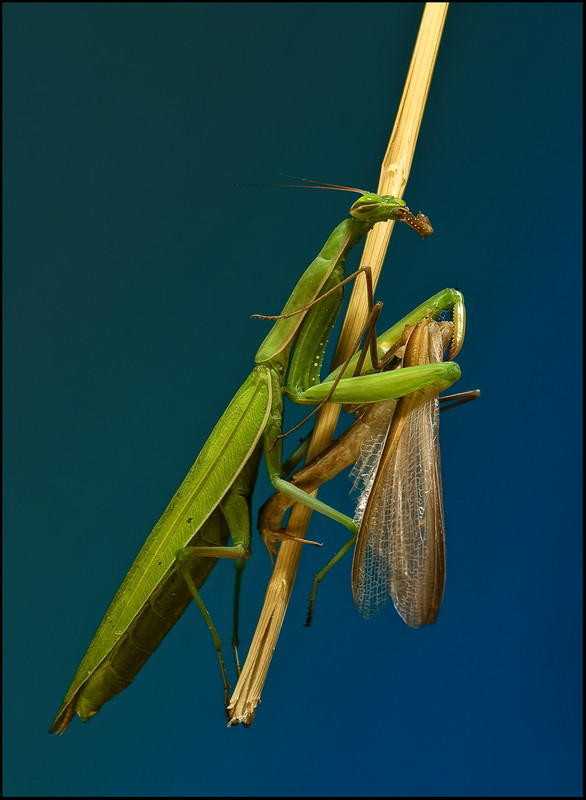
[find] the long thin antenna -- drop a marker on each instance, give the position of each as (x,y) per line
(323,184)
(317,185)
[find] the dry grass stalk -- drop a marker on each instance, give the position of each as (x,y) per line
(393,180)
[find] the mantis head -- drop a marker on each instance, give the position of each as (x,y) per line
(381,208)
(377,207)
(369,207)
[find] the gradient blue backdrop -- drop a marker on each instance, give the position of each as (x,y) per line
(131,268)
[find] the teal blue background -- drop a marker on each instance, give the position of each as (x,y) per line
(131,266)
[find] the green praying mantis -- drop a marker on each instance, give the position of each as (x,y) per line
(213,502)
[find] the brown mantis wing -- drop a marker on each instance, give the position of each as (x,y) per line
(400,551)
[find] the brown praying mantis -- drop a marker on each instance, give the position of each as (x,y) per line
(394,444)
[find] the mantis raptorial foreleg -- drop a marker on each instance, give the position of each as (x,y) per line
(389,385)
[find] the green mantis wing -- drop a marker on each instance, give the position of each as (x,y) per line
(191,517)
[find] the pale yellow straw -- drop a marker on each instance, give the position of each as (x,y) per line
(393,180)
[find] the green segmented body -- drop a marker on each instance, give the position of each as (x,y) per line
(153,596)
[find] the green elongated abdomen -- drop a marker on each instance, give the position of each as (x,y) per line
(114,657)
(155,620)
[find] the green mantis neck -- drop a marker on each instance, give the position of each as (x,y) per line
(276,348)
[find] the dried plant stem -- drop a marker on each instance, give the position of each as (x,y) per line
(393,179)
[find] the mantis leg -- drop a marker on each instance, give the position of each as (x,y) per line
(235,511)
(183,557)
(337,457)
(340,554)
